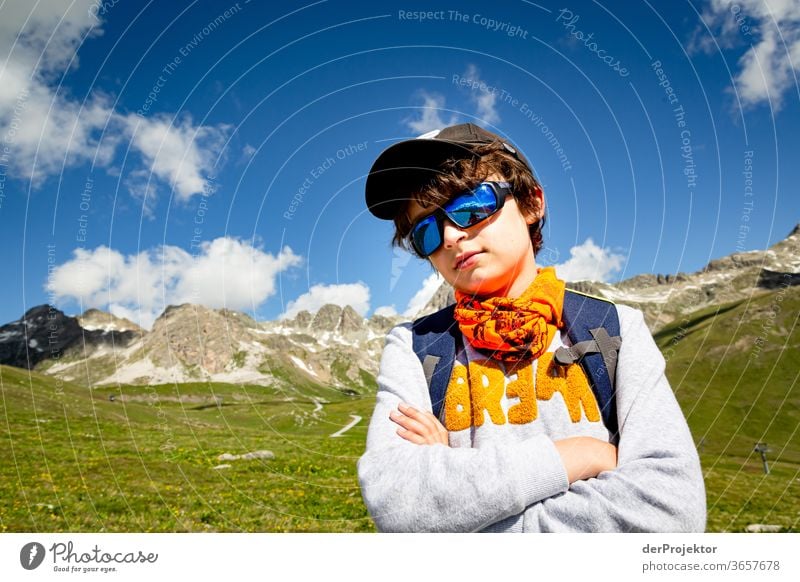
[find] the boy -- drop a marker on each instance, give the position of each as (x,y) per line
(518,446)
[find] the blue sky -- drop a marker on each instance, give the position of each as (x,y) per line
(216,152)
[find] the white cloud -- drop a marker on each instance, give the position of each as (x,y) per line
(420,299)
(229,272)
(767,70)
(386,311)
(248,150)
(225,272)
(46,129)
(485,101)
(49,32)
(42,128)
(176,151)
(356,295)
(589,262)
(429,115)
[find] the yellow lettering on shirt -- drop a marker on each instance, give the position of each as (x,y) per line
(525,410)
(479,387)
(571,382)
(457,403)
(487,383)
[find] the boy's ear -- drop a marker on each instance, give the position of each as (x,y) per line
(534,216)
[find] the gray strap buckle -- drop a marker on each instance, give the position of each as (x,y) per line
(602,343)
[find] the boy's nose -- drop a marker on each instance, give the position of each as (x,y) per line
(451,233)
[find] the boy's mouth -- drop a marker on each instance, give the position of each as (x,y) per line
(466,260)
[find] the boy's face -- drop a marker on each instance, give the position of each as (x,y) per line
(492,258)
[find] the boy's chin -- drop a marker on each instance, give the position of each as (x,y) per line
(477,289)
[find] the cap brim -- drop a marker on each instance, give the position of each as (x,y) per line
(405,168)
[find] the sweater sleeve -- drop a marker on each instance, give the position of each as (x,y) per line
(658,483)
(409,487)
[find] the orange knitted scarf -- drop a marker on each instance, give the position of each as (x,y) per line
(514,329)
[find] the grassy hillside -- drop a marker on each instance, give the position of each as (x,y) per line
(735,372)
(74,460)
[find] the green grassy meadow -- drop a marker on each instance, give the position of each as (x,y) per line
(734,369)
(145,458)
(73,460)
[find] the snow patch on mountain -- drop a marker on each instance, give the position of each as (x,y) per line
(303,366)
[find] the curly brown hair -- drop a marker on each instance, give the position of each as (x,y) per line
(459,175)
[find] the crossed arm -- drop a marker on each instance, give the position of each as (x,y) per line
(583,457)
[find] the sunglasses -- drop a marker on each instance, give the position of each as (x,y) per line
(465,210)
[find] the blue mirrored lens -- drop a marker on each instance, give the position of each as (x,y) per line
(472,207)
(465,210)
(426,236)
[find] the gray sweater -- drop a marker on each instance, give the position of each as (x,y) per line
(503,473)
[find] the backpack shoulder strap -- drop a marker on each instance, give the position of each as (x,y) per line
(436,339)
(592,325)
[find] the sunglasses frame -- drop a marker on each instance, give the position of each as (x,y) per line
(501,191)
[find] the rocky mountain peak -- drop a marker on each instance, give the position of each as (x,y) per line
(181,310)
(188,343)
(327,318)
(790,244)
(45,332)
(304,319)
(239,317)
(40,312)
(197,336)
(640,281)
(382,322)
(443,297)
(93,319)
(350,321)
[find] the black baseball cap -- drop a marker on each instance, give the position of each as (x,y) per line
(408,165)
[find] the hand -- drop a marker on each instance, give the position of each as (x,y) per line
(421,428)
(586,457)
